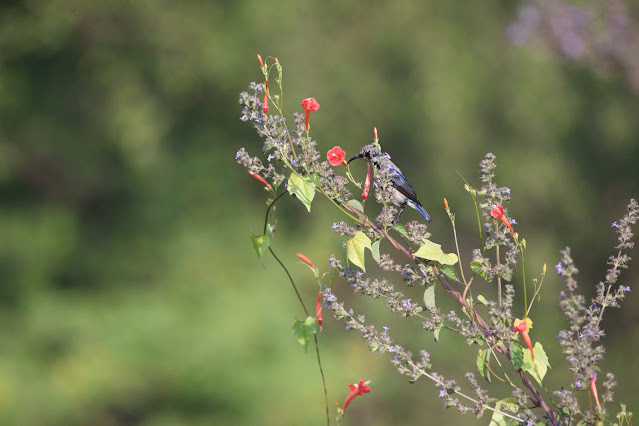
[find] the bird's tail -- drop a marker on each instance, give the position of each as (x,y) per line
(420,209)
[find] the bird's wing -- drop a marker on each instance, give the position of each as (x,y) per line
(402,185)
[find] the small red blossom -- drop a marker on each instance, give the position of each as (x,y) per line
(305,260)
(593,389)
(360,389)
(375,133)
(260,178)
(367,182)
(522,327)
(318,309)
(498,213)
(277,61)
(309,104)
(336,156)
(259,58)
(446,204)
(265,105)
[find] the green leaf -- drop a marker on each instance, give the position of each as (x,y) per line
(482,364)
(400,228)
(450,272)
(476,268)
(432,251)
(482,299)
(436,334)
(429,297)
(375,251)
(303,330)
(537,367)
(270,229)
(355,249)
(356,205)
(508,405)
(302,189)
(261,244)
(516,355)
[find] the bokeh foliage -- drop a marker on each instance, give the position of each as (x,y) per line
(129,292)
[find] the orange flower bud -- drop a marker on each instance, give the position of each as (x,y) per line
(259,58)
(593,389)
(305,260)
(260,178)
(367,182)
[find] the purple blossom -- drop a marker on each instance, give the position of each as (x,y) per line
(443,393)
(559,268)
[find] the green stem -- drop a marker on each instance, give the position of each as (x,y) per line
(268,209)
(319,363)
(523,271)
(299,297)
(461,269)
(498,276)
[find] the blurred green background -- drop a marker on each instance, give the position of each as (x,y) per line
(129,289)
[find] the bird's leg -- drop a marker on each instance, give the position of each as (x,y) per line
(401,209)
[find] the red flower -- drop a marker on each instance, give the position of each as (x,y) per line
(367,181)
(265,104)
(318,308)
(305,260)
(360,389)
(309,104)
(259,58)
(498,213)
(522,326)
(260,178)
(593,388)
(336,156)
(446,204)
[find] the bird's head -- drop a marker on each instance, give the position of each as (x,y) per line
(368,152)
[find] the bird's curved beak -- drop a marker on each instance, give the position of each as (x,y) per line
(354,158)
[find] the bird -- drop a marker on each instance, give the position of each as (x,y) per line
(403,191)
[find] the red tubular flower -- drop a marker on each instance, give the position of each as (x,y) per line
(367,181)
(593,388)
(360,389)
(522,327)
(318,308)
(498,213)
(260,178)
(446,204)
(265,106)
(305,260)
(309,104)
(375,133)
(336,156)
(259,58)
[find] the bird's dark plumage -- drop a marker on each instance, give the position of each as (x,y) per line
(404,192)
